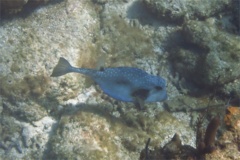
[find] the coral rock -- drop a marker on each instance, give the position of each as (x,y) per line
(179,10)
(232,118)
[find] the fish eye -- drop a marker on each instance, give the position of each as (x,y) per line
(158,88)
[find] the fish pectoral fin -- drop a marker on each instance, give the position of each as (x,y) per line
(138,102)
(139,96)
(141,93)
(101,68)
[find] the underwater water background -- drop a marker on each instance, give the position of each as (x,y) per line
(193,45)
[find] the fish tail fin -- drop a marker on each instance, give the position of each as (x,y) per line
(63,67)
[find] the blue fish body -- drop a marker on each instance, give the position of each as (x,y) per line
(122,83)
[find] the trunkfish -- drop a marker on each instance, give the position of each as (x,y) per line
(126,84)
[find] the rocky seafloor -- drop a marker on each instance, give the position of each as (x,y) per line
(194,45)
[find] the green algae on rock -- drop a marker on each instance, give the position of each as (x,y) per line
(29,86)
(12,5)
(212,56)
(15,6)
(29,46)
(225,147)
(177,11)
(96,134)
(122,43)
(18,139)
(74,30)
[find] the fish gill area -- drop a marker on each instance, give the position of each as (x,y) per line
(193,45)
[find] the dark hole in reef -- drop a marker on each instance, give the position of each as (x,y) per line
(37,146)
(26,9)
(138,10)
(194,48)
(234,56)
